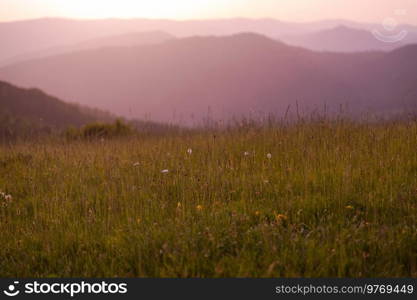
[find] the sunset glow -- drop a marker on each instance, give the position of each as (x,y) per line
(289,10)
(135,8)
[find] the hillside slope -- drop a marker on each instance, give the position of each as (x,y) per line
(30,110)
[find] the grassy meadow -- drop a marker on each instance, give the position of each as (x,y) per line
(312,199)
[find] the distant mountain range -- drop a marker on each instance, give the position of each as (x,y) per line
(22,40)
(346,39)
(22,37)
(222,77)
(123,40)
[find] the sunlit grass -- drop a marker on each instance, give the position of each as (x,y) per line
(309,199)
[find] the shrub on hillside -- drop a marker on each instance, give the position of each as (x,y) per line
(100,130)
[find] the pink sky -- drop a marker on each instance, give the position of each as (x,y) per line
(288,10)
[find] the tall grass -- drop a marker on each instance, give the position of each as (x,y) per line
(334,198)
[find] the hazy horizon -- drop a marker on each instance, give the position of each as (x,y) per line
(341,21)
(299,11)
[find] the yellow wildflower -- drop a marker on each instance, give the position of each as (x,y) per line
(280,218)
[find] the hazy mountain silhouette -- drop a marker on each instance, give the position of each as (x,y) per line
(128,39)
(233,75)
(345,39)
(23,37)
(36,108)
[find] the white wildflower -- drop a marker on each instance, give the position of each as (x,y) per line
(190,151)
(136,164)
(269,156)
(164,171)
(245,153)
